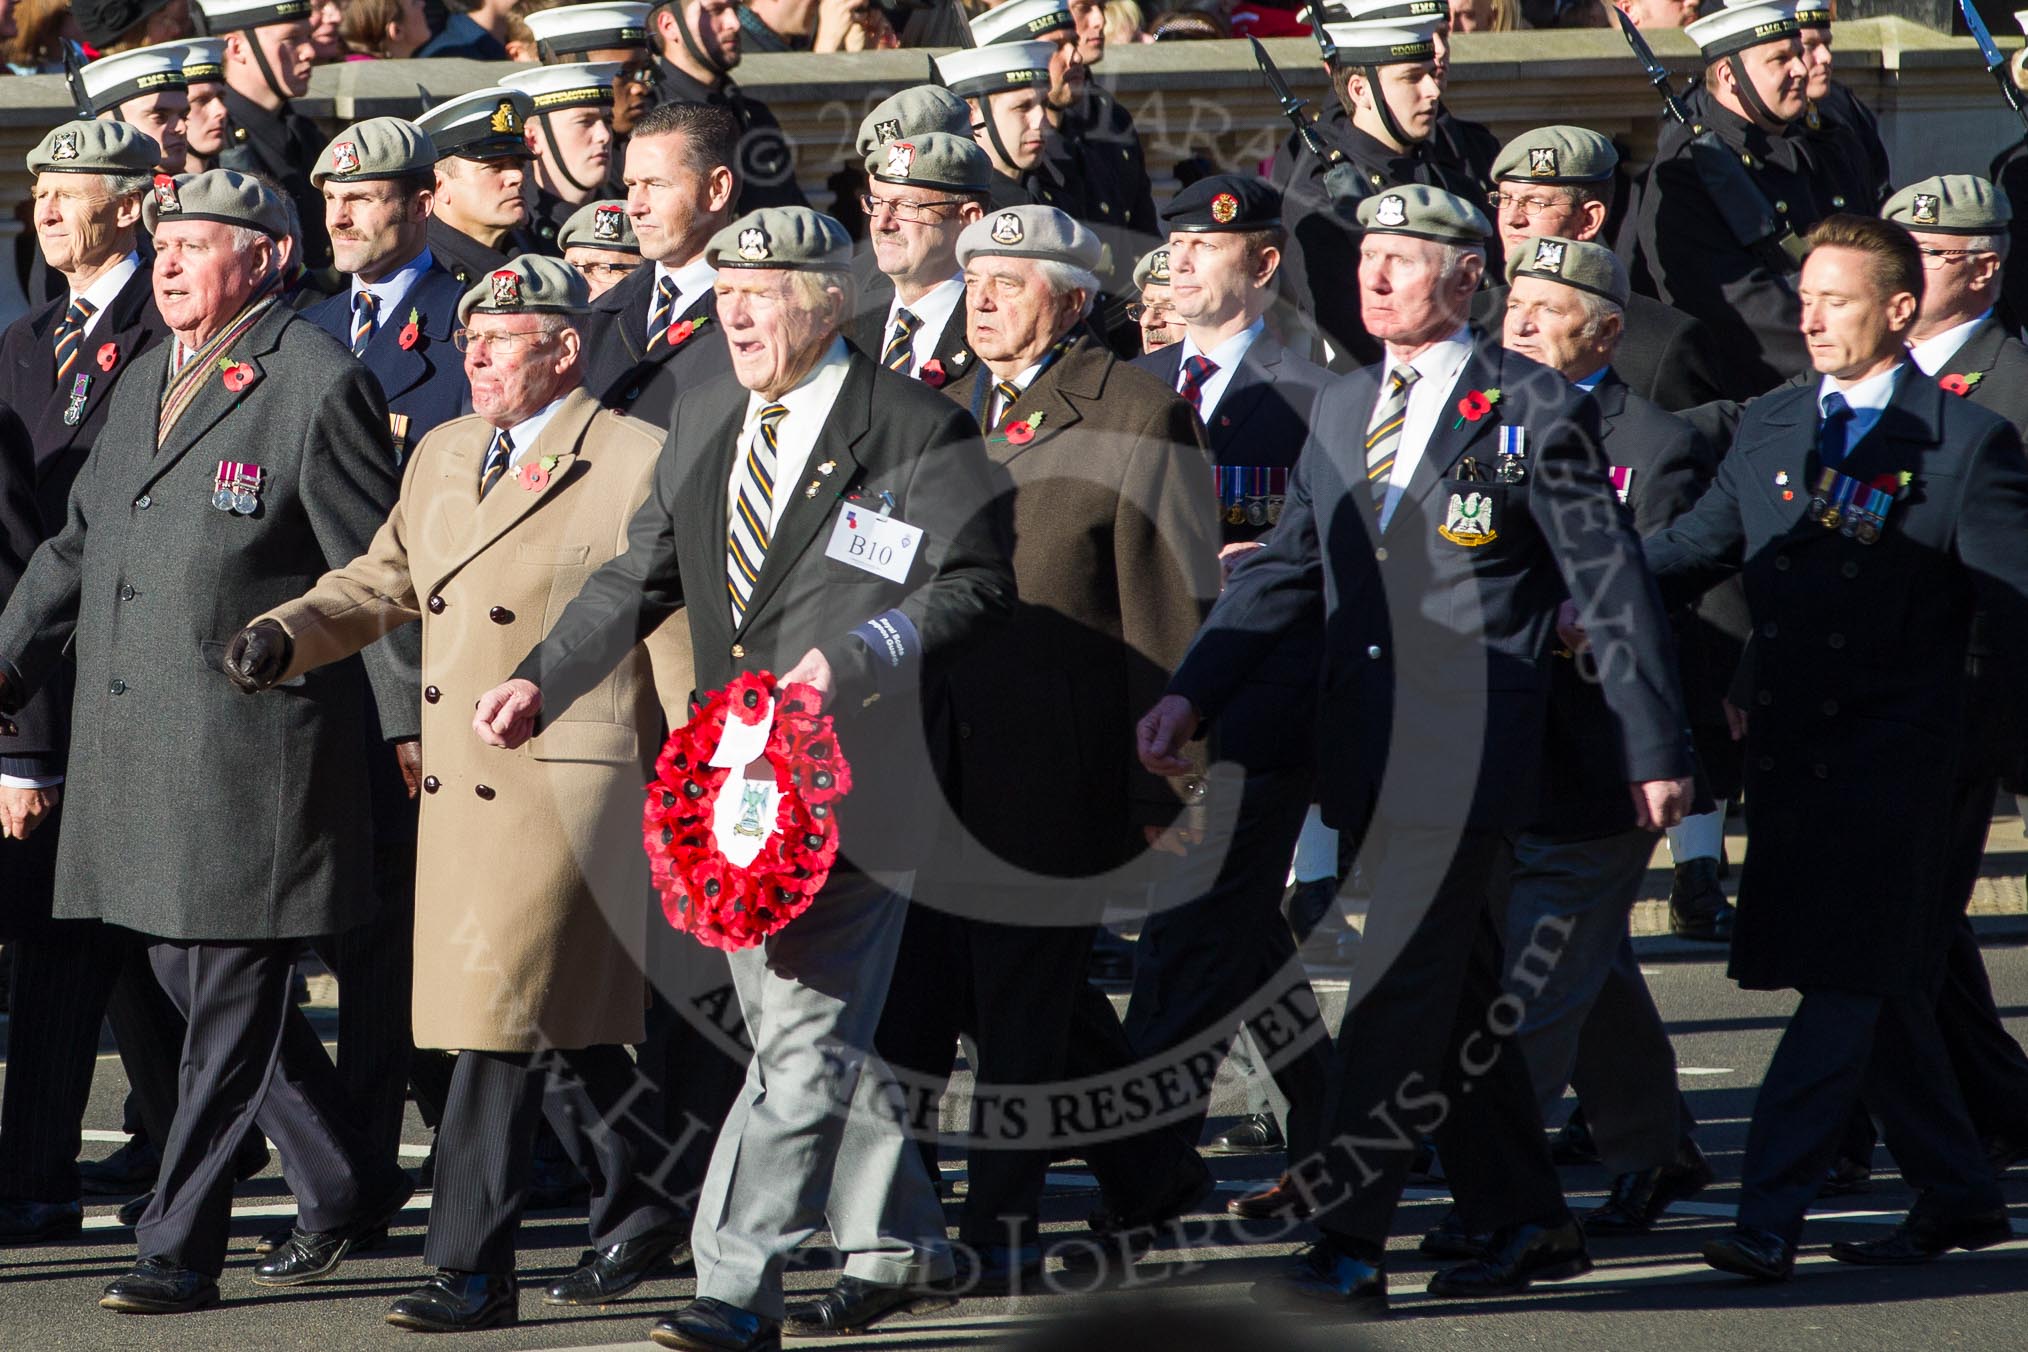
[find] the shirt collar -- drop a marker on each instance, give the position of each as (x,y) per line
(108,283)
(1591,381)
(815,392)
(692,279)
(389,290)
(932,309)
(1872,393)
(1229,353)
(1441,361)
(1932,354)
(525,433)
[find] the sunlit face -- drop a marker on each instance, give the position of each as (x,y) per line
(209,119)
(486,193)
(201,279)
(325,18)
(1849,325)
(77,222)
(1547,321)
(915,231)
(1660,13)
(1530,210)
(1091,29)
(1158,314)
(1210,279)
(1778,75)
(674,208)
(1013,314)
(1067,75)
(407,35)
(1816,45)
(714,24)
(1955,280)
(602,269)
(516,363)
(163,116)
(1412,90)
(288,49)
(1404,298)
(1018,116)
(633,84)
(775,330)
(577,142)
(374,226)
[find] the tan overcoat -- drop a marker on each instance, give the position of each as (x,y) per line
(531,883)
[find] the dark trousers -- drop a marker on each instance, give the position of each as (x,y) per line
(65,975)
(250,1056)
(1427,1046)
(487,1142)
(1011,989)
(375,967)
(1228,947)
(1838,1044)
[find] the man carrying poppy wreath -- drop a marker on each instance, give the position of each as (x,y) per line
(752,522)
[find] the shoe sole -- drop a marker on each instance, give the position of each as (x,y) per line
(134,1305)
(503,1318)
(1859,1258)
(1723,1261)
(1217,1151)
(305,1278)
(677,1340)
(1559,1272)
(927,1305)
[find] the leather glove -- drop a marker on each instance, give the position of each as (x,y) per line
(257,656)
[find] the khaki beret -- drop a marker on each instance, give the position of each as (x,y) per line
(1950,204)
(782,237)
(1153,269)
(1575,263)
(935,159)
(1030,232)
(222,195)
(600,225)
(95,147)
(531,284)
(914,112)
(1426,213)
(1557,155)
(380,147)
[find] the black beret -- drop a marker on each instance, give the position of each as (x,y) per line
(100,21)
(1225,202)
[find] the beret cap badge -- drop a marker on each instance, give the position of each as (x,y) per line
(506,288)
(606,223)
(1542,161)
(1925,209)
(1224,207)
(1548,256)
(887,129)
(65,147)
(1007,228)
(166,197)
(900,158)
(1391,211)
(344,157)
(753,244)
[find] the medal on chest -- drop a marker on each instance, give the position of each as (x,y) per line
(73,413)
(237,488)
(1853,507)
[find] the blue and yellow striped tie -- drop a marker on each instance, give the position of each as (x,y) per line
(900,353)
(70,335)
(1383,443)
(661,312)
(362,322)
(753,500)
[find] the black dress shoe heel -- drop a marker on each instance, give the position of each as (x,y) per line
(1759,1254)
(606,1274)
(1324,1279)
(457,1302)
(855,1305)
(710,1325)
(1923,1239)
(158,1286)
(1515,1259)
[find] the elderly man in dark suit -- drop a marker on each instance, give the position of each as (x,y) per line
(221,488)
(922,192)
(1869,514)
(1439,538)
(805,1146)
(656,334)
(58,367)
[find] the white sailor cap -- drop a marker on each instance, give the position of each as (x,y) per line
(111,80)
(234,16)
(566,30)
(980,71)
(577,84)
(1386,42)
(1738,27)
(203,59)
(1333,12)
(1021,21)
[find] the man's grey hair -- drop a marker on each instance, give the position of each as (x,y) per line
(1453,257)
(810,286)
(1064,278)
(1597,309)
(125,185)
(1992,244)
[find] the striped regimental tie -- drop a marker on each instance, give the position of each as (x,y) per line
(1383,443)
(497,457)
(753,498)
(900,352)
(70,335)
(362,322)
(659,314)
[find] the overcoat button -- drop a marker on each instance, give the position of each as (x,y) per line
(126,592)
(964,729)
(1830,708)
(1821,771)
(1764,698)
(1767,762)
(117,686)
(436,605)
(484,791)
(738,650)
(1374,652)
(431,694)
(144,502)
(1836,641)
(500,615)
(1767,630)
(1850,568)
(1380,554)
(431,783)
(1783,563)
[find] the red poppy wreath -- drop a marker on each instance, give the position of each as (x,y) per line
(736,859)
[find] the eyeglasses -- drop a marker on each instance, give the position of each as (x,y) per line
(1154,314)
(921,212)
(504,343)
(1530,206)
(1938,258)
(591,272)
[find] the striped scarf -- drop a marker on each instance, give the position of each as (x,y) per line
(204,364)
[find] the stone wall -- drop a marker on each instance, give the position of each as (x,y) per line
(1939,111)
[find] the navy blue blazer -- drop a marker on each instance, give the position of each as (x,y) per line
(424,382)
(622,374)
(1436,636)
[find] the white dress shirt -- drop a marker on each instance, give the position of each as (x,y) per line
(388,293)
(1933,354)
(932,310)
(1021,383)
(692,280)
(809,408)
(102,290)
(1226,357)
(523,434)
(1437,370)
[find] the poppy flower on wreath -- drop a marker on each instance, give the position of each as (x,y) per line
(1475,405)
(109,356)
(1959,384)
(933,373)
(237,376)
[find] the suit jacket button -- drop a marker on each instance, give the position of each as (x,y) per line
(1850,568)
(1380,554)
(1821,770)
(1836,641)
(1784,563)
(1768,630)
(485,791)
(431,783)
(1830,708)
(1374,652)
(436,605)
(126,592)
(144,502)
(1763,698)
(117,686)
(1767,762)
(738,650)
(431,694)
(500,615)
(964,729)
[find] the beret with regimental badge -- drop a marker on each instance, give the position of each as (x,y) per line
(1387,42)
(600,225)
(1735,28)
(576,84)
(981,71)
(1950,204)
(570,30)
(486,124)
(1575,263)
(110,81)
(1030,232)
(532,284)
(1557,155)
(217,17)
(1153,269)
(380,147)
(1222,202)
(1426,213)
(782,237)
(912,112)
(222,195)
(935,159)
(95,147)
(1021,21)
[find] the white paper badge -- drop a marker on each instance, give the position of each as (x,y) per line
(740,744)
(883,545)
(745,815)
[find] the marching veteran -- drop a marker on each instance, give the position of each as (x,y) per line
(524,947)
(238,462)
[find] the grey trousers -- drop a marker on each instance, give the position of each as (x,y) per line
(809,1143)
(1568,953)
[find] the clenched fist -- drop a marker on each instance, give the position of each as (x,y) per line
(505,716)
(257,656)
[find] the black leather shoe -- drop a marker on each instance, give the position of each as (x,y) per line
(1697,905)
(130,1213)
(707,1325)
(128,1170)
(158,1286)
(35,1222)
(275,1239)
(1572,1144)
(2006,1151)
(457,1302)
(1921,1239)
(1450,1239)
(1254,1134)
(999,1270)
(1190,1184)
(1280,1201)
(609,1273)
(853,1306)
(1324,1277)
(1516,1258)
(1747,1252)
(1639,1198)
(312,1256)
(1845,1177)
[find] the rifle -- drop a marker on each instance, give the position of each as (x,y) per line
(1996,64)
(1292,107)
(1658,74)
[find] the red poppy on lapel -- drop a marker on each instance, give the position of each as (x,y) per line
(109,356)
(1959,385)
(238,376)
(1020,433)
(408,335)
(933,374)
(680,333)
